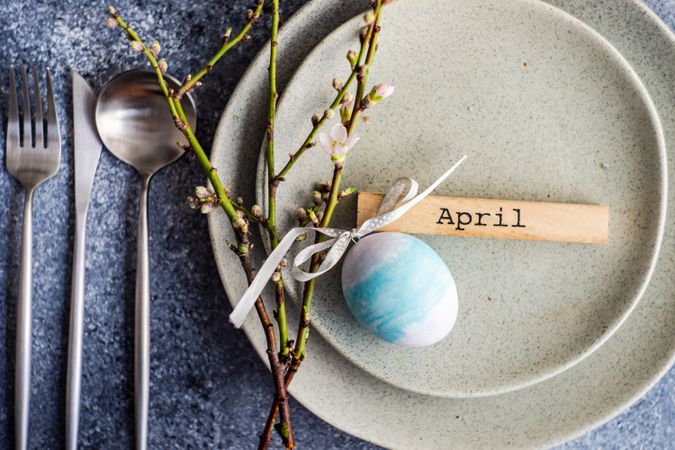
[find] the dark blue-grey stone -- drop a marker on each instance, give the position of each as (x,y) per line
(209,389)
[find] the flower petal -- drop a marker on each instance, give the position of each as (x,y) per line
(326,142)
(351,142)
(338,132)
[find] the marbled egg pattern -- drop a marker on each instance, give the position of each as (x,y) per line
(399,288)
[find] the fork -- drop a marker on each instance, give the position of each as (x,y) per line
(31,161)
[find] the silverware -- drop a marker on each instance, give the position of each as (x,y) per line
(132,117)
(31,161)
(87,152)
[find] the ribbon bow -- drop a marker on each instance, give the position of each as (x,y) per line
(401,197)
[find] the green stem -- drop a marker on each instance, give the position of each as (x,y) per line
(333,197)
(324,118)
(271,113)
(204,161)
(228,43)
(364,72)
(272,183)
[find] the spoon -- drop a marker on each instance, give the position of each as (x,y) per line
(134,123)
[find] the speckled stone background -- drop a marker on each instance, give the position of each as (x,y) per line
(209,389)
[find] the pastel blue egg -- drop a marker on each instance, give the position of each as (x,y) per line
(399,288)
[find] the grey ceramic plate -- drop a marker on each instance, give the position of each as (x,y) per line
(547,413)
(547,110)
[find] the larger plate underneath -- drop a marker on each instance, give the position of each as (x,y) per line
(558,409)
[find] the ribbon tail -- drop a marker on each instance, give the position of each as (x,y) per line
(338,246)
(238,315)
(381,220)
(442,178)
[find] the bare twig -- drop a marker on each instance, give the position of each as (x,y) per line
(237,220)
(362,68)
(228,42)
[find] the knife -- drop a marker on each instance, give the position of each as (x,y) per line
(87,152)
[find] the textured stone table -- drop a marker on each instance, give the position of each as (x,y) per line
(209,390)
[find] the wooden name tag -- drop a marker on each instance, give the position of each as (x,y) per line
(505,219)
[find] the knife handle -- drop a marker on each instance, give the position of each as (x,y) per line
(75,333)
(142,323)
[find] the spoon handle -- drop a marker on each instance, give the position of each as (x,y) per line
(142,323)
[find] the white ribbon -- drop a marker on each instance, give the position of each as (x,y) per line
(391,208)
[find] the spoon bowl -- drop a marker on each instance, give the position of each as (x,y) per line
(134,122)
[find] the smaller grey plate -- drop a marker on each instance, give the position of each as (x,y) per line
(547,110)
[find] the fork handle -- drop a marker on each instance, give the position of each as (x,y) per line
(24,327)
(75,333)
(142,323)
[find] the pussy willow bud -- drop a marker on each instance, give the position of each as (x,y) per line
(323,186)
(316,119)
(345,113)
(155,48)
(193,202)
(163,65)
(329,113)
(257,211)
(317,198)
(240,200)
(239,224)
(206,207)
(276,277)
(301,214)
(110,22)
(112,10)
(202,192)
(337,84)
(351,57)
(137,46)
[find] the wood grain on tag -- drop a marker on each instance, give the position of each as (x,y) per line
(505,219)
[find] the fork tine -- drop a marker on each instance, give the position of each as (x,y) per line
(53,133)
(13,130)
(39,124)
(27,129)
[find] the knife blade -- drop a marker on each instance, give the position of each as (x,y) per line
(87,142)
(87,150)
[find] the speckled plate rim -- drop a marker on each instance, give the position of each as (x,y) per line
(304,389)
(361,361)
